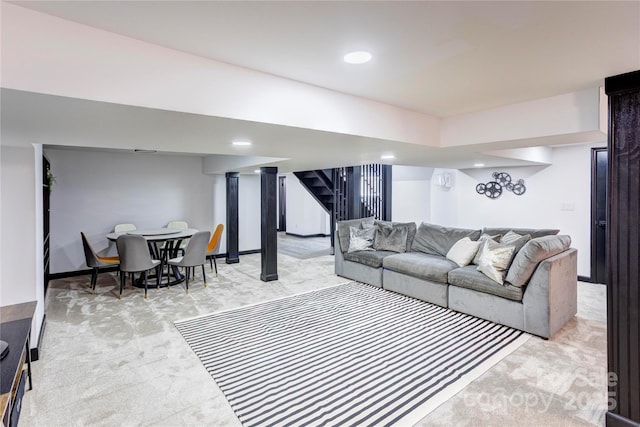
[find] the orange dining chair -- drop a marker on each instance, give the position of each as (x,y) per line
(212,248)
(95,261)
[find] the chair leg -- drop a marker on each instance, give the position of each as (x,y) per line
(186,272)
(123,277)
(210,262)
(158,276)
(94,279)
(144,277)
(204,276)
(215,264)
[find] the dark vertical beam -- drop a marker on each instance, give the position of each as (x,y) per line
(354,176)
(232,217)
(387,185)
(268,223)
(623,252)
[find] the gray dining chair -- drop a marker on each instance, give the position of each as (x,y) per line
(194,255)
(135,258)
(96,261)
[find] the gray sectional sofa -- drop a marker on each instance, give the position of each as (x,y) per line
(538,293)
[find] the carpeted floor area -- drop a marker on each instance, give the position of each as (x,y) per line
(106,361)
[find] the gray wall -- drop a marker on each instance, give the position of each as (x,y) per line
(96,190)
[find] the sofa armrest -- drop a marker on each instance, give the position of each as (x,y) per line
(551,296)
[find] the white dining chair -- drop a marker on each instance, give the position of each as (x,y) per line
(123,228)
(177,225)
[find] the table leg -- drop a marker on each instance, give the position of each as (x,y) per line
(28,356)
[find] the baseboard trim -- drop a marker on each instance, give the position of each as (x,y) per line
(250,252)
(85,272)
(308,235)
(66,274)
(35,352)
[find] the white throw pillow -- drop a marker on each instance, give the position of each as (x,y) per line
(495,259)
(496,238)
(463,251)
(361,239)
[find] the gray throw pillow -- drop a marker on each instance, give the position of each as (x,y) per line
(515,239)
(361,239)
(437,240)
(343,230)
(410,226)
(532,253)
(391,238)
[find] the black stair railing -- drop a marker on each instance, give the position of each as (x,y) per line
(351,192)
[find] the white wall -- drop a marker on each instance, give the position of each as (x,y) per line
(305,216)
(557,196)
(96,190)
(20,244)
(562,115)
(411,194)
(249,212)
(444,202)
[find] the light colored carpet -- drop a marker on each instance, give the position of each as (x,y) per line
(353,354)
(108,362)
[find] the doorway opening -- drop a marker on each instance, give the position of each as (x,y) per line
(599,171)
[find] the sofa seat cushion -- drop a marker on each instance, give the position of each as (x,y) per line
(368,258)
(470,278)
(434,268)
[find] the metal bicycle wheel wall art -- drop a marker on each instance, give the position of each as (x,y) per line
(501,181)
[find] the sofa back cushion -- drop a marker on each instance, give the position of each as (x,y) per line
(521,231)
(532,253)
(392,235)
(437,240)
(343,230)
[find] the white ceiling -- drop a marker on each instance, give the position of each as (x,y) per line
(438,58)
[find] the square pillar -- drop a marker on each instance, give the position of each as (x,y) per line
(623,250)
(269,223)
(232,217)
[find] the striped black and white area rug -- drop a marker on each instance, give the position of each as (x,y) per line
(346,355)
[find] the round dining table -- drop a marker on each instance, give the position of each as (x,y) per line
(172,238)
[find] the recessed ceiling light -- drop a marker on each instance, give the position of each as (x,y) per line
(241,143)
(387,157)
(257,171)
(357,57)
(478,165)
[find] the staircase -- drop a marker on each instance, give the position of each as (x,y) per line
(320,186)
(350,192)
